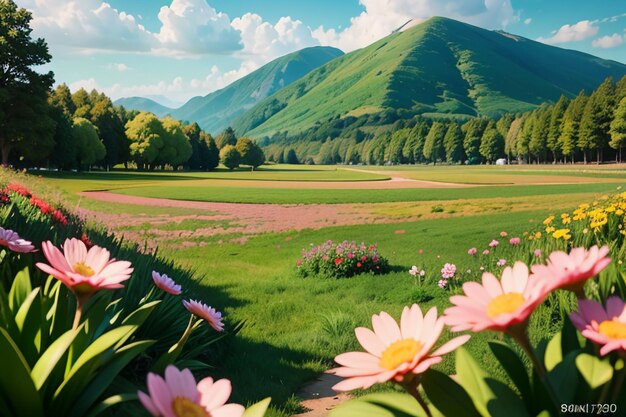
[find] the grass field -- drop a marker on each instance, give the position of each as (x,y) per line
(294,326)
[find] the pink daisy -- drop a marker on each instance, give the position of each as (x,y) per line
(414,271)
(496,305)
(514,241)
(394,351)
(11,240)
(208,313)
(472,251)
(448,271)
(84,272)
(571,271)
(606,327)
(166,283)
(177,395)
(493,243)
(538,253)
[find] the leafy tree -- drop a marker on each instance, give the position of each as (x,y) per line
(453,143)
(473,130)
(230,157)
(510,142)
(62,98)
(177,149)
(554,129)
(227,137)
(251,153)
(618,128)
(89,147)
(291,157)
(197,149)
(538,136)
(418,136)
(492,144)
(570,125)
(63,156)
(396,145)
(596,120)
(504,123)
(212,158)
(25,126)
(146,134)
(110,128)
(326,156)
(522,142)
(82,104)
(433,146)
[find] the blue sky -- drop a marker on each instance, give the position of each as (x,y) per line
(183,48)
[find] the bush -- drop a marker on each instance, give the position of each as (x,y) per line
(341,260)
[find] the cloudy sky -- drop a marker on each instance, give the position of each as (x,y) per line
(183,48)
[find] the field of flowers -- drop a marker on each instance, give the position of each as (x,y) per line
(87,323)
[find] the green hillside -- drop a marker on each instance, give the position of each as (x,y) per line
(143,104)
(216,111)
(439,66)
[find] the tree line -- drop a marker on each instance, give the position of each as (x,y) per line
(60,129)
(581,129)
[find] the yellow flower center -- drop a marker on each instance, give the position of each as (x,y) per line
(613,329)
(504,304)
(84,269)
(399,352)
(184,407)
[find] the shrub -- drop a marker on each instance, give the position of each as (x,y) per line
(341,260)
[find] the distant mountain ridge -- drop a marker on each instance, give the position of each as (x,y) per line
(437,67)
(215,111)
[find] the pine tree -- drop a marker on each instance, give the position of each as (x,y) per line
(492,144)
(474,130)
(433,146)
(538,137)
(522,142)
(510,144)
(618,128)
(554,130)
(568,139)
(596,120)
(453,143)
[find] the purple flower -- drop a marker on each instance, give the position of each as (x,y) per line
(11,240)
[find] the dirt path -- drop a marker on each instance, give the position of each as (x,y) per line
(319,397)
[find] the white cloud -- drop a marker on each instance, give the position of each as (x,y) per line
(608,41)
(174,88)
(192,26)
(528,21)
(120,67)
(87,24)
(572,33)
(381,17)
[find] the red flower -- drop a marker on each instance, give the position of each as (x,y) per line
(358,264)
(18,189)
(41,205)
(363,258)
(299,262)
(420,251)
(338,261)
(85,239)
(60,217)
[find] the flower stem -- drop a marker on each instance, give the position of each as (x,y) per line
(411,388)
(618,385)
(522,339)
(79,312)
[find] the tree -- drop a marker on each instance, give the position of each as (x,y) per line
(89,147)
(227,137)
(212,158)
(596,120)
(492,144)
(177,149)
(251,153)
(418,137)
(62,98)
(538,136)
(146,134)
(110,129)
(291,157)
(396,146)
(522,142)
(510,141)
(82,104)
(63,156)
(24,122)
(230,157)
(570,125)
(473,130)
(197,149)
(453,143)
(554,129)
(433,146)
(618,128)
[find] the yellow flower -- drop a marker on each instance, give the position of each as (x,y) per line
(548,220)
(584,206)
(562,234)
(619,212)
(550,229)
(538,235)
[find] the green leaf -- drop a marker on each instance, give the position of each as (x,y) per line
(554,354)
(515,369)
(447,396)
(15,380)
(595,371)
(564,378)
(258,409)
(50,358)
(137,318)
(20,289)
(110,402)
(380,405)
(491,397)
(107,374)
(569,337)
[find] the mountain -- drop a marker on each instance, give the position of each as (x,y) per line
(143,104)
(166,101)
(440,66)
(217,110)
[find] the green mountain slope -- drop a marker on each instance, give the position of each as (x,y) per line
(143,104)
(216,111)
(439,66)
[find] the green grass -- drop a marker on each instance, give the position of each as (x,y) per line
(294,326)
(334,196)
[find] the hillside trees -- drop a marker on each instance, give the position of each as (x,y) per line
(250,153)
(230,157)
(492,144)
(433,146)
(618,129)
(25,126)
(453,143)
(145,133)
(89,147)
(473,130)
(596,120)
(227,137)
(568,140)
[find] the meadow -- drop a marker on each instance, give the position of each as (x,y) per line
(293,326)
